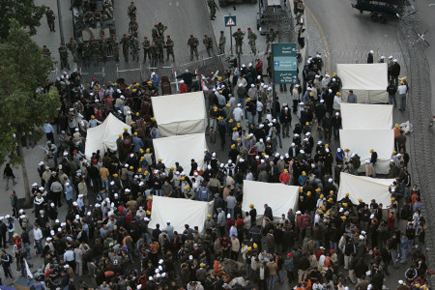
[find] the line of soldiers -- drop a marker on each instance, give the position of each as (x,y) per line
(239,35)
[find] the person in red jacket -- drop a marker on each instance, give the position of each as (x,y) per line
(284,177)
(183,87)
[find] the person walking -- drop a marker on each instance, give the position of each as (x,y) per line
(6,263)
(8,174)
(50,19)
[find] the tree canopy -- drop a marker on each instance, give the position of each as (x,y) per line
(23,111)
(25,12)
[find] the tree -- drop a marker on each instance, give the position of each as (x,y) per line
(24,107)
(25,12)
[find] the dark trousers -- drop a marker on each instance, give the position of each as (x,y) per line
(57,198)
(3,240)
(262,284)
(7,270)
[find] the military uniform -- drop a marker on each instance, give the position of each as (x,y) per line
(134,44)
(208,42)
(73,46)
(125,46)
(160,43)
(222,41)
(252,37)
(154,53)
(103,48)
(108,7)
(46,52)
(50,19)
(193,43)
(270,38)
(161,29)
(87,52)
(238,37)
(95,50)
(132,26)
(63,52)
(154,33)
(132,10)
(113,47)
(212,6)
(97,17)
(89,18)
(146,49)
(169,48)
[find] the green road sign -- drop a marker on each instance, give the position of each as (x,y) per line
(285,64)
(230,20)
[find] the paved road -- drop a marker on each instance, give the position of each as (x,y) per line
(426,10)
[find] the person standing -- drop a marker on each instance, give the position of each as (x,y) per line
(63,53)
(8,174)
(222,41)
(169,45)
(391,89)
(373,160)
(252,37)
(262,276)
(14,203)
(208,42)
(49,131)
(270,38)
(352,98)
(238,37)
(193,43)
(402,89)
(370,56)
(6,263)
(146,49)
(50,19)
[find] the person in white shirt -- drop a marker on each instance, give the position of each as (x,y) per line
(402,89)
(37,236)
(238,113)
(49,131)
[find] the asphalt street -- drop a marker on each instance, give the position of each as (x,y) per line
(348,34)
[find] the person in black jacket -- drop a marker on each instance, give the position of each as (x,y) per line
(261,276)
(373,160)
(268,212)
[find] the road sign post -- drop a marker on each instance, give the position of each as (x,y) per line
(230,21)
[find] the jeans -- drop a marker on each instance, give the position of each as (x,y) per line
(241,101)
(374,170)
(39,247)
(27,247)
(271,282)
(404,253)
(280,140)
(285,130)
(403,102)
(336,132)
(394,258)
(158,192)
(7,181)
(251,118)
(105,183)
(392,100)
(260,116)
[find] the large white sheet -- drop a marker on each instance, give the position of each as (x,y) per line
(180,114)
(361,141)
(366,188)
(368,117)
(182,149)
(104,136)
(368,81)
(278,196)
(179,211)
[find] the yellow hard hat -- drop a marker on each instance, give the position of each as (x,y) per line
(251,205)
(150,197)
(92,117)
(148,212)
(187,187)
(209,215)
(249,249)
(255,245)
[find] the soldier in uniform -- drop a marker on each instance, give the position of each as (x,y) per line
(238,37)
(153,52)
(125,46)
(73,46)
(222,41)
(154,32)
(63,53)
(161,29)
(98,18)
(160,43)
(95,50)
(134,44)
(270,38)
(133,25)
(89,18)
(146,49)
(46,52)
(169,48)
(103,48)
(131,11)
(208,42)
(252,37)
(114,46)
(87,53)
(50,19)
(212,6)
(193,43)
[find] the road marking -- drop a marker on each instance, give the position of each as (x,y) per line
(323,36)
